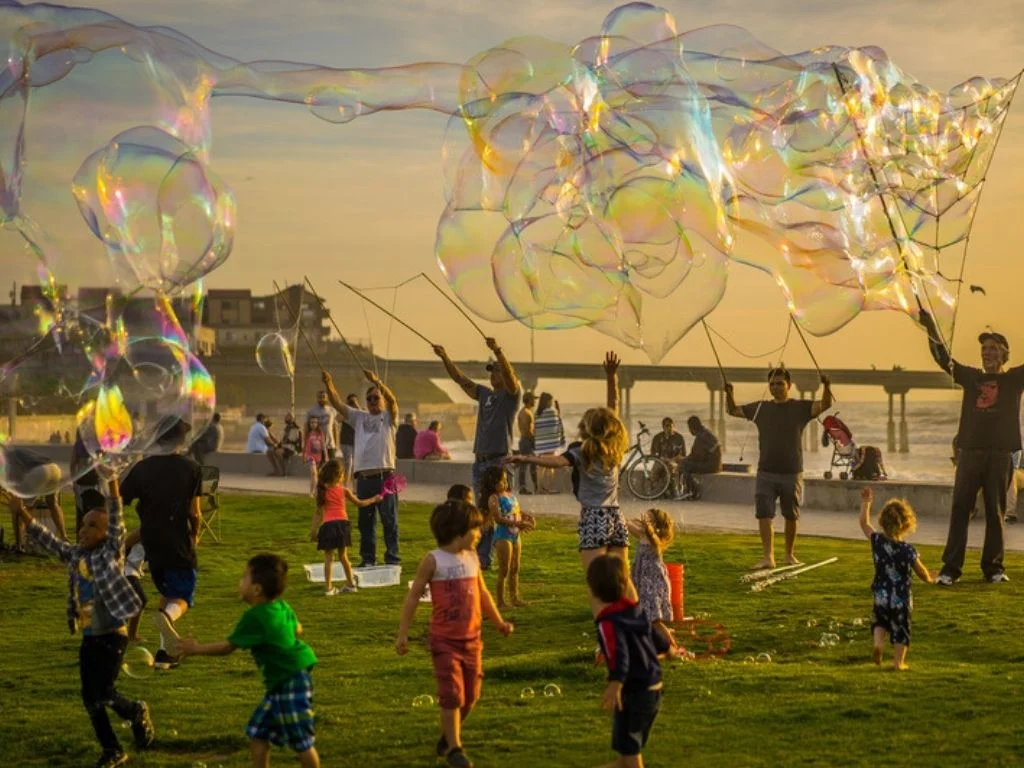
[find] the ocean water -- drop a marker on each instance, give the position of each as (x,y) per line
(931,427)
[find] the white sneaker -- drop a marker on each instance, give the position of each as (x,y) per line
(945,580)
(348,589)
(998,578)
(331,592)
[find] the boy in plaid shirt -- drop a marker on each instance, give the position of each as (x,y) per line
(100,601)
(271,631)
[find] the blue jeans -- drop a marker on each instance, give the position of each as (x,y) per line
(367,487)
(483,549)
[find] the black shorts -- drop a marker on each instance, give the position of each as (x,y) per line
(788,489)
(136,583)
(632,725)
(336,534)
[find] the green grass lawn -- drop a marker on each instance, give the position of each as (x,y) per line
(958,705)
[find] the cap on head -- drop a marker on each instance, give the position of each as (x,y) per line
(998,338)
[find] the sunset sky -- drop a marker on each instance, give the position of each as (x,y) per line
(361,201)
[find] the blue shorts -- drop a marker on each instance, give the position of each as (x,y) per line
(285,716)
(175,583)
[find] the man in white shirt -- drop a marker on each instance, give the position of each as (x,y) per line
(374,462)
(260,441)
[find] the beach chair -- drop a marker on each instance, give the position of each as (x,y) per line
(210,503)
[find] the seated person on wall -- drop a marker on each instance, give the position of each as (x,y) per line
(405,438)
(705,458)
(261,441)
(670,446)
(291,440)
(428,444)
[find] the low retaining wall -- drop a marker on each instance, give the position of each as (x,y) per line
(927,499)
(732,487)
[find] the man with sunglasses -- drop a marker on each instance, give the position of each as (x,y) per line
(373,463)
(497,408)
(988,434)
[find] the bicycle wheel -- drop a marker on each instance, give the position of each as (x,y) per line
(648,477)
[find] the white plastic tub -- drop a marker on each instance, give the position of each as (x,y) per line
(373,576)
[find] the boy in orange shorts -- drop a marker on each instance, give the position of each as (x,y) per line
(459,596)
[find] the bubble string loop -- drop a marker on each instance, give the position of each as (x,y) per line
(298,324)
(454,303)
(334,323)
(395,317)
(714,351)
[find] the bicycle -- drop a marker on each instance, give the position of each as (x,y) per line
(647,476)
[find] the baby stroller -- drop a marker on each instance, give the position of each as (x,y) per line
(863,463)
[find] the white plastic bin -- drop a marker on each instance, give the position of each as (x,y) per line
(373,576)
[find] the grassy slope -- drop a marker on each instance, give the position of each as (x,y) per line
(811,706)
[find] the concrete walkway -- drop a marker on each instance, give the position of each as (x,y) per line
(689,516)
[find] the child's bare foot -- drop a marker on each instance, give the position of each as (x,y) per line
(876,655)
(793,560)
(902,667)
(763,564)
(518,602)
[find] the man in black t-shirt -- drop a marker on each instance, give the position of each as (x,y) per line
(780,428)
(405,438)
(168,487)
(988,434)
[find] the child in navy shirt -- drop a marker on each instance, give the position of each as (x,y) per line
(894,562)
(630,648)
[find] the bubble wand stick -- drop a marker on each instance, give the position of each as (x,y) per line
(454,303)
(393,316)
(298,325)
(333,323)
(714,351)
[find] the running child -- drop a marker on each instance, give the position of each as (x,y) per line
(630,648)
(459,596)
(595,460)
(314,452)
(894,562)
(100,601)
(654,532)
(331,529)
(270,629)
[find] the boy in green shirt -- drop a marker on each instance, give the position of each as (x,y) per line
(271,631)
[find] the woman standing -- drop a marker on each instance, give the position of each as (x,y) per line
(549,438)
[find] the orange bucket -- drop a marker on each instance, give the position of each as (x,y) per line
(676,574)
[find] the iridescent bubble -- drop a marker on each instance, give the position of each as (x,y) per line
(527,693)
(156,207)
(423,700)
(611,182)
(764,658)
(551,690)
(274,355)
(138,662)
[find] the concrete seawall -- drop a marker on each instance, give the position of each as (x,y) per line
(927,499)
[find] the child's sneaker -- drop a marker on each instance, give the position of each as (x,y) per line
(998,578)
(457,759)
(331,592)
(348,589)
(163,660)
(442,746)
(165,627)
(111,758)
(945,580)
(142,728)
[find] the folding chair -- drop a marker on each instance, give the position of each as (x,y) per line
(210,503)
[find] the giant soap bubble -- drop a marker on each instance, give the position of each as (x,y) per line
(611,182)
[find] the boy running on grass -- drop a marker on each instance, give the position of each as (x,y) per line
(459,595)
(100,601)
(271,631)
(631,649)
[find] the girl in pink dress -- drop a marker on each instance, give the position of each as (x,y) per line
(314,451)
